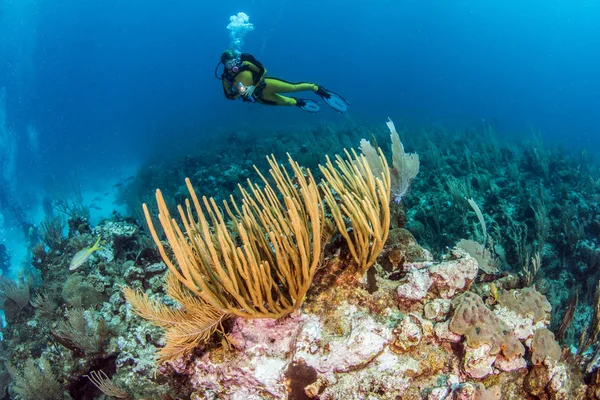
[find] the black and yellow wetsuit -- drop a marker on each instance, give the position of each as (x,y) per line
(252,72)
(249,72)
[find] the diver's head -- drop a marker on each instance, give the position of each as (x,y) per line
(231,61)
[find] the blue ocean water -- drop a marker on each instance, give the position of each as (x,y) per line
(92,89)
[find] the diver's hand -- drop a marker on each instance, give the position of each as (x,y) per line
(249,91)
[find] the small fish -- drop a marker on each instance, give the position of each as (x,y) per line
(97,198)
(116,185)
(494,291)
(106,194)
(95,207)
(83,255)
(128,178)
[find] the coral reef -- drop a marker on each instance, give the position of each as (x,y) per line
(382,346)
(408,313)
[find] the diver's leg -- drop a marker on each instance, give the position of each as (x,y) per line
(269,94)
(274,85)
(275,99)
(334,100)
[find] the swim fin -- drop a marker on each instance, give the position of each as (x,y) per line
(335,101)
(310,106)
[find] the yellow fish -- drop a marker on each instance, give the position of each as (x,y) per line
(494,291)
(83,255)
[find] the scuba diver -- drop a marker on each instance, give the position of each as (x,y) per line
(244,77)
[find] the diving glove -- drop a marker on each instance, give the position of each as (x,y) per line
(249,92)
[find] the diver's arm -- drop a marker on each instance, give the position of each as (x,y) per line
(229,94)
(256,67)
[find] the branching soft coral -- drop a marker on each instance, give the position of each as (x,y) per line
(36,381)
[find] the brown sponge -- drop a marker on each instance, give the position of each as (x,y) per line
(474,320)
(525,302)
(544,346)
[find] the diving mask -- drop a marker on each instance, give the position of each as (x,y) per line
(232,65)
